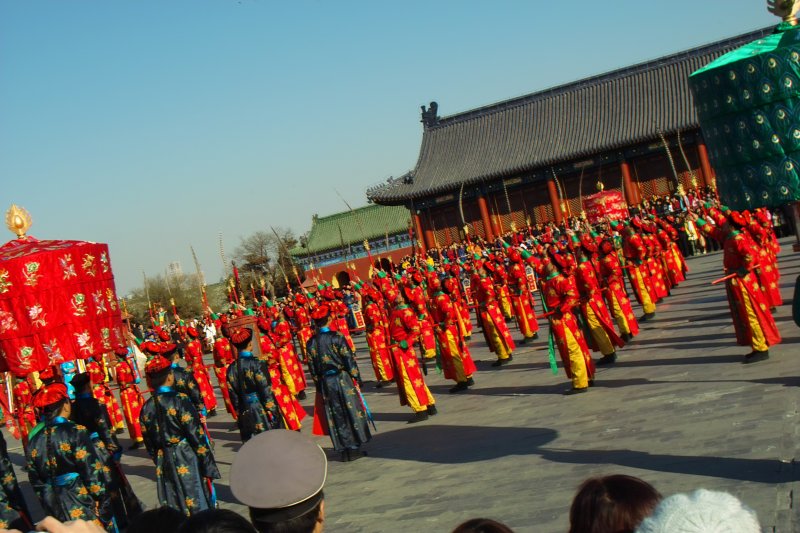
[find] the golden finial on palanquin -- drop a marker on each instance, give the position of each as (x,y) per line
(18,220)
(600,186)
(786,9)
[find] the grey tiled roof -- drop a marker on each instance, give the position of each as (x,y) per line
(597,114)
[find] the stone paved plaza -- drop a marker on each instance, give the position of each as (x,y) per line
(678,410)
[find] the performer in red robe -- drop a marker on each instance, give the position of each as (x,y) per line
(635,255)
(130,396)
(594,310)
(457,362)
(767,265)
(521,298)
(495,329)
(614,284)
(673,259)
(752,319)
(23,408)
(377,337)
(103,394)
(223,357)
(194,358)
(404,331)
(415,295)
(658,280)
(561,297)
(303,322)
(338,311)
(500,280)
(290,364)
(453,287)
(291,410)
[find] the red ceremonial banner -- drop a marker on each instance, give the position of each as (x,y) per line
(58,303)
(605,204)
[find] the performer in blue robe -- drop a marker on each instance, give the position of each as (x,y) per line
(174,438)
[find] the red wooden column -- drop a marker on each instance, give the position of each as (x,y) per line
(487,222)
(631,192)
(708,174)
(551,187)
(430,240)
(497,221)
(419,233)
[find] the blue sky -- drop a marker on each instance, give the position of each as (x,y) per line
(153,125)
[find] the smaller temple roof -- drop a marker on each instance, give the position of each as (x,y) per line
(368,222)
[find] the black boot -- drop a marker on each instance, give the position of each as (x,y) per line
(432,410)
(419,416)
(754,356)
(354,455)
(301,395)
(609,359)
(460,386)
(470,382)
(573,391)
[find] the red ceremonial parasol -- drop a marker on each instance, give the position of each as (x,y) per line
(57,300)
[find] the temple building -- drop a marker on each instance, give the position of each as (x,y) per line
(334,247)
(534,158)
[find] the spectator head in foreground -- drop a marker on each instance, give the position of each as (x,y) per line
(216,521)
(611,504)
(482,525)
(703,511)
(279,475)
(159,520)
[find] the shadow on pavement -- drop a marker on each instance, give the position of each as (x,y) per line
(145,471)
(679,361)
(392,417)
(433,443)
(557,388)
(786,381)
(753,470)
(660,340)
(224,493)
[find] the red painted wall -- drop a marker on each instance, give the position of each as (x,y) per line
(362,265)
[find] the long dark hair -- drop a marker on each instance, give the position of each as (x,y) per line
(611,504)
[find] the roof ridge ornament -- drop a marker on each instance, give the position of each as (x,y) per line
(18,220)
(429,116)
(785,9)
